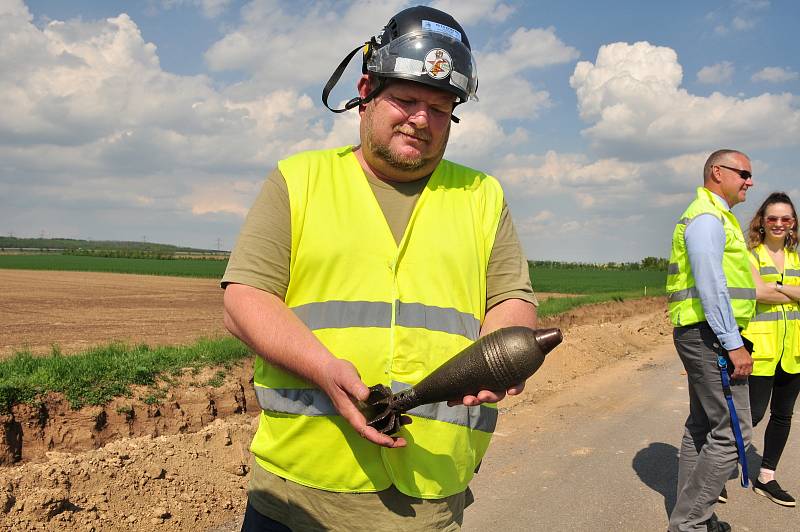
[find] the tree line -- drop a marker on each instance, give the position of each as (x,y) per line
(647,263)
(73,245)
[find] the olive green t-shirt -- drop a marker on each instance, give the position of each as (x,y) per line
(262,253)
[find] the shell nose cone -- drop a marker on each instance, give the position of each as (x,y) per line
(548,339)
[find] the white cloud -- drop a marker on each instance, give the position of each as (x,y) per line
(503,86)
(721,29)
(467,13)
(89,115)
(209,8)
(479,137)
(282,49)
(741,24)
(745,16)
(686,169)
(632,97)
(775,75)
(568,172)
(513,97)
(604,185)
(592,225)
(717,73)
(752,5)
(527,48)
(225,197)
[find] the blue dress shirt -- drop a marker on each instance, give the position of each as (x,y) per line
(705,246)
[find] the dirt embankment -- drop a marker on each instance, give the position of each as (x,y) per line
(30,431)
(183,462)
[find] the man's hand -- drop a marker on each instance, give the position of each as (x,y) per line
(342,383)
(742,363)
(488,396)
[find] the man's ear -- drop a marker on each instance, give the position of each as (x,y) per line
(363,86)
(715,174)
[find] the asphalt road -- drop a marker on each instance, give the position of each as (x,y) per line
(602,456)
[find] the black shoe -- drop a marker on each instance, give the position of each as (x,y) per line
(723,495)
(715,525)
(773,491)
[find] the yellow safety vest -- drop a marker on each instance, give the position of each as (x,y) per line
(775,329)
(396,312)
(685,307)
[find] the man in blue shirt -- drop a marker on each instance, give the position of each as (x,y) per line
(723,287)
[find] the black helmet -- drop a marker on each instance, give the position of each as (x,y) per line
(420,44)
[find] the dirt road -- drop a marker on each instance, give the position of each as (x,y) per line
(602,455)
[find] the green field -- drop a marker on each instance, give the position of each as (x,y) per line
(99,374)
(174,267)
(597,280)
(595,285)
(567,281)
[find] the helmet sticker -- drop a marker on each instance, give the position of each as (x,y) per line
(441,28)
(405,65)
(438,63)
(459,80)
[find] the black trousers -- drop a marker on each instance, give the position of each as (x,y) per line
(783,388)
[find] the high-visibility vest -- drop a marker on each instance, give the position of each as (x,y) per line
(684,299)
(775,329)
(397,312)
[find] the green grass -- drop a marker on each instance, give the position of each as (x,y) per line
(102,373)
(558,305)
(174,267)
(597,280)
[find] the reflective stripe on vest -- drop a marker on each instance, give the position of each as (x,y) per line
(314,402)
(775,316)
(343,314)
(733,293)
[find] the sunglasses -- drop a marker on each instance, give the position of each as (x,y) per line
(785,220)
(744,174)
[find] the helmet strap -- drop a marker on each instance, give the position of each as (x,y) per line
(337,74)
(453,117)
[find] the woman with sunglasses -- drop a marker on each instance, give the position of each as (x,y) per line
(775,333)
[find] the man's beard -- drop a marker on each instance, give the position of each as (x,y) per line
(395,160)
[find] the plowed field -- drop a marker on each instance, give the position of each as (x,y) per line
(76,310)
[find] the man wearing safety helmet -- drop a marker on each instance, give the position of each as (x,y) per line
(367,265)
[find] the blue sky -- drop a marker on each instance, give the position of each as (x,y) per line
(159,119)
